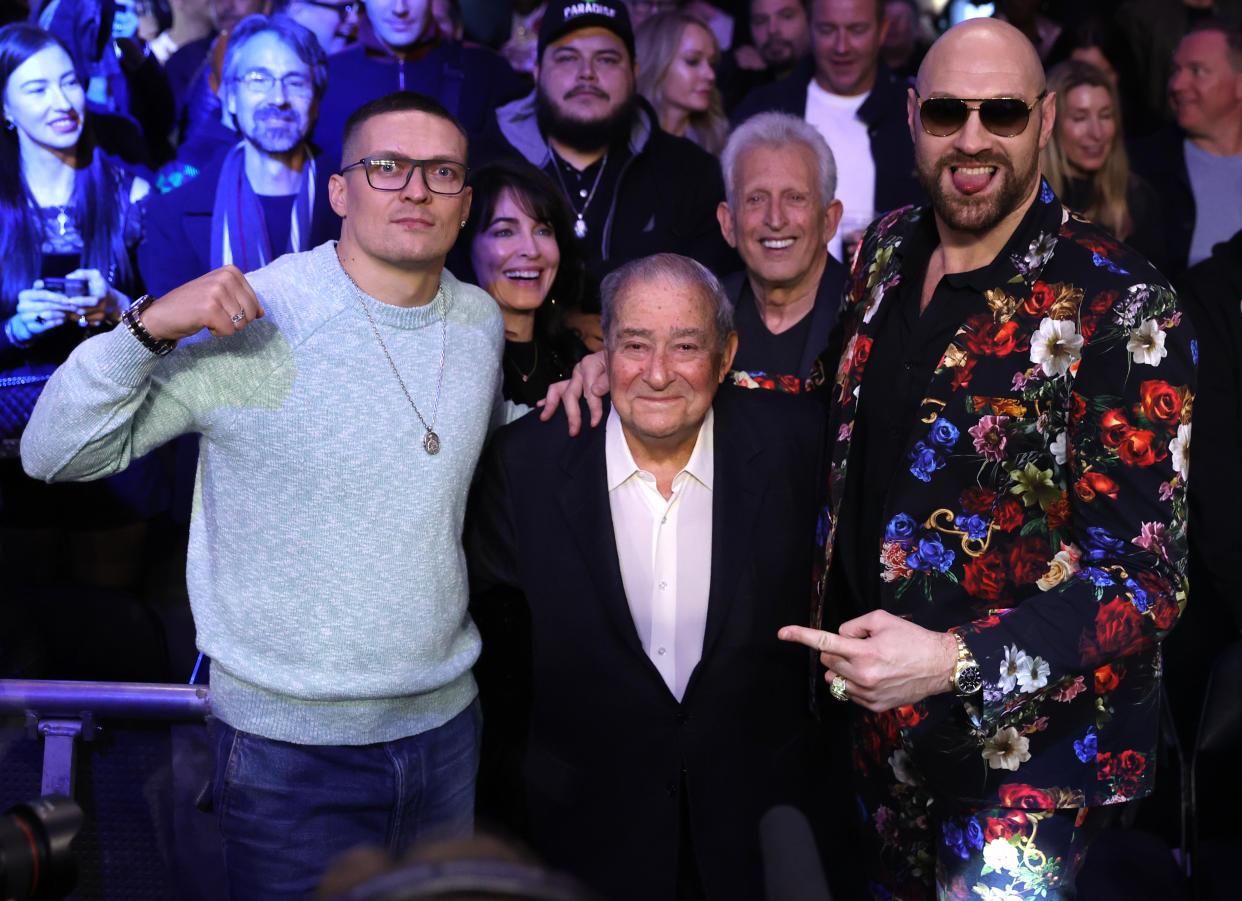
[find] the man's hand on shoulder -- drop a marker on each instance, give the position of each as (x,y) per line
(221,301)
(589,379)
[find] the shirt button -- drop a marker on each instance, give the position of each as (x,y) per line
(582,192)
(663,585)
(660,651)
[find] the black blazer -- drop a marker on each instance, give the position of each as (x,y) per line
(610,749)
(1161,159)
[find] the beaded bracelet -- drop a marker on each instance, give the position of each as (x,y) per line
(138,330)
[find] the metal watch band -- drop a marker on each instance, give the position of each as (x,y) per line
(138,330)
(967,677)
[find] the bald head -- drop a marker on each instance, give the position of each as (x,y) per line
(995,55)
(979,162)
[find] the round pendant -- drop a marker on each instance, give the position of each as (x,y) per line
(580,228)
(431,442)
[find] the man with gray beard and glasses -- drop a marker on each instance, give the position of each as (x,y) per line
(260,198)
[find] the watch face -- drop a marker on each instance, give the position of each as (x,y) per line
(968,680)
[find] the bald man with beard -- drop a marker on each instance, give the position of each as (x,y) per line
(1010,401)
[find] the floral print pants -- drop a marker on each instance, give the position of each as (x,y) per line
(917,847)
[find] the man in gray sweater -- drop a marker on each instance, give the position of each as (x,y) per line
(342,403)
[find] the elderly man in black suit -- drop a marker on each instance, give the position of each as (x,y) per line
(659,556)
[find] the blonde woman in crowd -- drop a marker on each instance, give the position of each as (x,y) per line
(676,55)
(1086,163)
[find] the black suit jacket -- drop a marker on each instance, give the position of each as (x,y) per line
(1161,160)
(610,749)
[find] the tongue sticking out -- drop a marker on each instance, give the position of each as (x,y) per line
(973,179)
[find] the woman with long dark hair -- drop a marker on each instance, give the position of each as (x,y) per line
(70,221)
(518,245)
(65,208)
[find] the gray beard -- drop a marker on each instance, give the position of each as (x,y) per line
(275,133)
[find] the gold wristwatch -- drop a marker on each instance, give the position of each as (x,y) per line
(967,679)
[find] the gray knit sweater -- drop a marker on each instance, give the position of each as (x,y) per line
(325,570)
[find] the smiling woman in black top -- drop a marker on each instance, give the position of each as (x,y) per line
(518,245)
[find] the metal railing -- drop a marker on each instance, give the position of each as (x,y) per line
(63,712)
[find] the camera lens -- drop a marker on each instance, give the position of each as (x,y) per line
(35,858)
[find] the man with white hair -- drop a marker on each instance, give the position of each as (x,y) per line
(779,214)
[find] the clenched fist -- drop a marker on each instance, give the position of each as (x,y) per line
(221,301)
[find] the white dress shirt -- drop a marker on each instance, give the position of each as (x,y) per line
(665,551)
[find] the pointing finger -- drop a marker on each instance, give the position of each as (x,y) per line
(815,639)
(834,647)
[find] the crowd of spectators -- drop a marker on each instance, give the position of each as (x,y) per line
(148,142)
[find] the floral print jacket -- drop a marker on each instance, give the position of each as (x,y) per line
(1042,513)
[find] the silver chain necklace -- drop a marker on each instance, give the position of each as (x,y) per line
(431,441)
(580,227)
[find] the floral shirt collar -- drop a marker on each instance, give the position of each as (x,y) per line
(1022,258)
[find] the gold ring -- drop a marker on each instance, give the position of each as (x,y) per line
(836,688)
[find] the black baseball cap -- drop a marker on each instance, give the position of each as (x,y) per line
(569,15)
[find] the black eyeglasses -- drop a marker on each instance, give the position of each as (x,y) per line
(394,173)
(1005,117)
(343,10)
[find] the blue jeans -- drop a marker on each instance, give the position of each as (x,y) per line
(287,810)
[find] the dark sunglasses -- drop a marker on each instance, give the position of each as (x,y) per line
(1004,117)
